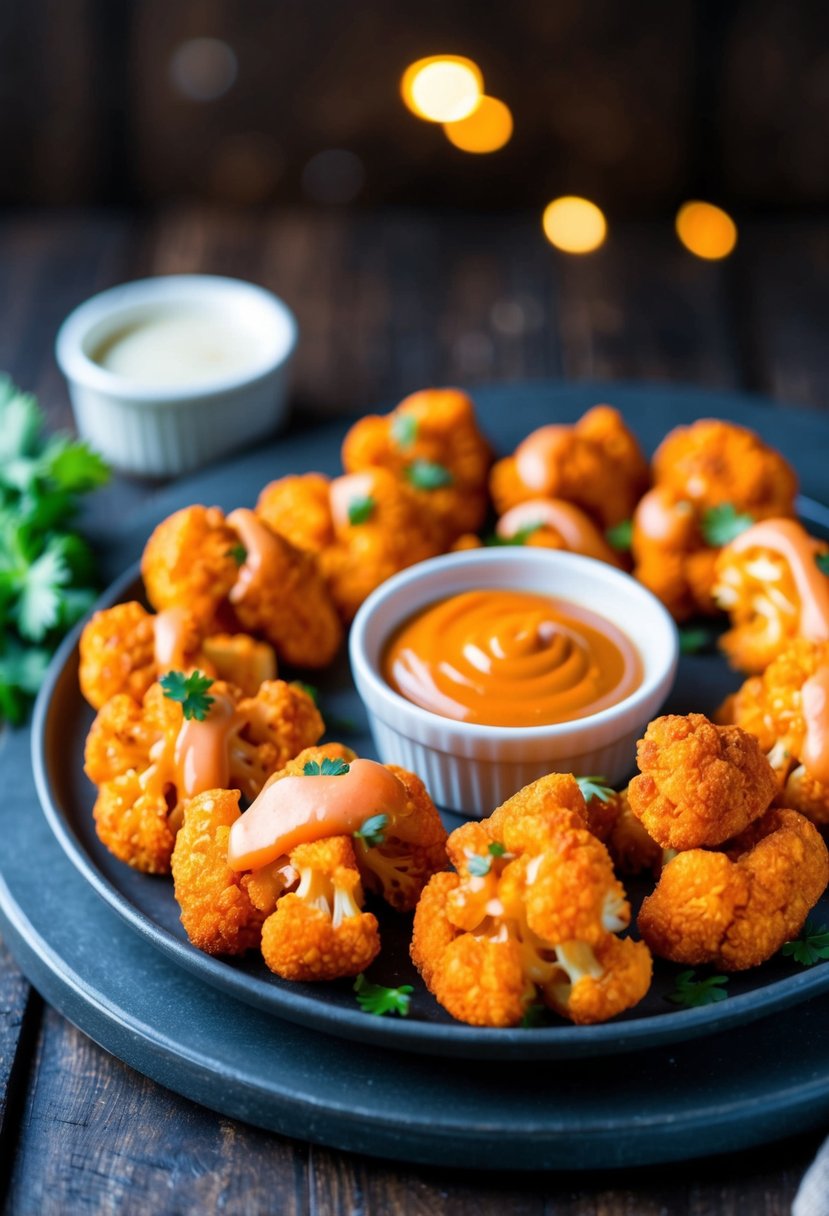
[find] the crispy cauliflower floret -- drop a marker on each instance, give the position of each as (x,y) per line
(699,783)
(632,849)
(769,582)
(713,462)
(671,556)
(120,653)
(785,709)
(374,525)
(595,464)
(552,523)
(189,560)
(137,754)
(432,441)
(217,912)
(413,848)
(736,908)
(237,574)
(319,931)
(530,915)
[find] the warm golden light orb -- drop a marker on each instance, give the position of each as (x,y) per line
(442,88)
(486,129)
(706,230)
(574,224)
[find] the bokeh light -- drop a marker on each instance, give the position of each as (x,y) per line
(442,88)
(574,224)
(203,69)
(486,129)
(706,230)
(333,176)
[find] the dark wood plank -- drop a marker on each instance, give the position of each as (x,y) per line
(18,1009)
(97,1137)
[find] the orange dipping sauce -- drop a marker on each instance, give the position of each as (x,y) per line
(511,658)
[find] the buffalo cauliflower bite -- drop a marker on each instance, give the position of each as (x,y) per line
(552,523)
(785,709)
(671,557)
(236,574)
(432,441)
(135,755)
(770,583)
(735,909)
(531,914)
(633,851)
(319,931)
(712,462)
(699,783)
(596,464)
(120,653)
(366,528)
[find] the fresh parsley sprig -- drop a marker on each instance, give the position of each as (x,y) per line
(518,538)
(691,992)
(479,865)
(360,510)
(404,430)
(372,831)
(720,525)
(379,1000)
(428,475)
(191,691)
(812,946)
(239,554)
(696,639)
(620,536)
(595,787)
(822,560)
(327,767)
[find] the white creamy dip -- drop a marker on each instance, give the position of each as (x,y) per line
(181,346)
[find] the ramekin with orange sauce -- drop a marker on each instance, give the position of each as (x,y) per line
(506,635)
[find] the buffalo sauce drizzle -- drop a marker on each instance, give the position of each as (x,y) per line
(789,540)
(263,552)
(535,455)
(298,810)
(202,749)
(169,629)
(511,658)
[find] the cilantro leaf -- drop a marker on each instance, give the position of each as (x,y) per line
(376,999)
(620,536)
(811,947)
(518,538)
(38,604)
(691,992)
(480,865)
(822,560)
(20,423)
(22,669)
(696,640)
(595,787)
(361,509)
(428,475)
(328,767)
(720,525)
(191,691)
(73,466)
(372,830)
(404,430)
(310,690)
(239,554)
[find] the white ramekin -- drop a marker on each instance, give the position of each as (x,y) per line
(471,768)
(165,430)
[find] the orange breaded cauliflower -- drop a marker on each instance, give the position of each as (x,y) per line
(735,909)
(409,845)
(531,914)
(699,784)
(713,462)
(319,931)
(147,759)
(770,583)
(633,851)
(237,574)
(595,464)
(552,523)
(430,440)
(671,556)
(786,709)
(304,912)
(120,652)
(363,528)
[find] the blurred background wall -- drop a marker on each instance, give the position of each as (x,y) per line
(635,103)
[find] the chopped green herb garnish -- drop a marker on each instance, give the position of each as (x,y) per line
(190,690)
(310,690)
(518,538)
(327,767)
(822,560)
(811,947)
(696,640)
(720,525)
(595,787)
(361,509)
(404,430)
(535,1015)
(691,992)
(620,536)
(372,830)
(481,865)
(428,475)
(239,554)
(378,1000)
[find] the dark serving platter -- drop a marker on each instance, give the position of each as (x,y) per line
(147,904)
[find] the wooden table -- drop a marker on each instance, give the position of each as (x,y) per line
(386,303)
